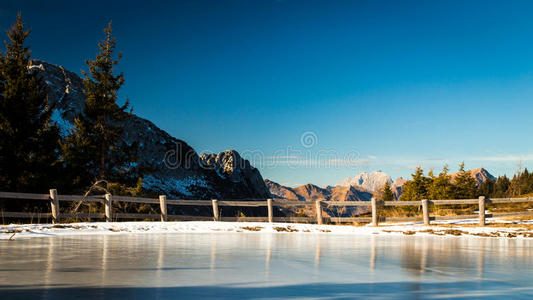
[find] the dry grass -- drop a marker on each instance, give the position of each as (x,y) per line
(399,211)
(518,218)
(458,232)
(285,229)
(357,224)
(256,228)
(455,232)
(452,210)
(509,207)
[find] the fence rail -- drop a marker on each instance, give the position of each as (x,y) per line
(54,198)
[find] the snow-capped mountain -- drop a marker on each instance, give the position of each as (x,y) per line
(371,182)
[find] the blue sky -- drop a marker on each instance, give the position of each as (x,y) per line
(370,85)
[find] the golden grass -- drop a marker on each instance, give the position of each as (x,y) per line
(518,218)
(452,210)
(256,228)
(285,229)
(509,207)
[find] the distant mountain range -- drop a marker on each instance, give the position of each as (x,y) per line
(311,192)
(361,187)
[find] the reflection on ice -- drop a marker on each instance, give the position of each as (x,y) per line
(249,265)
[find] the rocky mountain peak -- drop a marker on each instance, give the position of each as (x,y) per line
(480,175)
(231,166)
(371,182)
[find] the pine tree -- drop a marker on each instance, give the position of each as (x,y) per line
(430,174)
(416,188)
(387,194)
(523,183)
(441,187)
(465,185)
(29,146)
(502,187)
(95,147)
(487,188)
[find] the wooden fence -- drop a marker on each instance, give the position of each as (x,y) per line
(54,198)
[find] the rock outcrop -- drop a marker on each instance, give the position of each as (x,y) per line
(229,165)
(167,165)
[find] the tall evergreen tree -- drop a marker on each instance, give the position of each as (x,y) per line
(501,188)
(487,188)
(387,194)
(465,185)
(29,146)
(416,188)
(441,187)
(431,175)
(95,149)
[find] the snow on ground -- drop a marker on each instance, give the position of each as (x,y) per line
(183,186)
(521,229)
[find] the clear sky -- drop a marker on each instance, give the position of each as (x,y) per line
(315,91)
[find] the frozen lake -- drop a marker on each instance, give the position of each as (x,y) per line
(264,266)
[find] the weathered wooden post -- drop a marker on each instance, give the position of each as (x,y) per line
(215,209)
(318,206)
(481,210)
(163,204)
(270,211)
(54,205)
(425,211)
(374,212)
(108,207)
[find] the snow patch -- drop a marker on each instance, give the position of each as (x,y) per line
(39,66)
(64,126)
(173,185)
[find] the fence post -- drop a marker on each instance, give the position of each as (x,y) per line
(270,211)
(425,211)
(318,212)
(215,209)
(108,207)
(481,210)
(54,205)
(163,204)
(374,212)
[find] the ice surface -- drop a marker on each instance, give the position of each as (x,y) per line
(229,265)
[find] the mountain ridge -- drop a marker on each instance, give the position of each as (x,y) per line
(371,183)
(167,165)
